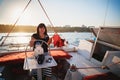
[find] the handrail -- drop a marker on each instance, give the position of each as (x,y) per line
(1,38)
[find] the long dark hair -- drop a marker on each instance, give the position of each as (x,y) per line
(40,26)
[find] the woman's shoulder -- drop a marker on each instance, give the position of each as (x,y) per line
(34,35)
(46,36)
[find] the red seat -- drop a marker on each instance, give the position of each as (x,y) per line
(18,57)
(57,54)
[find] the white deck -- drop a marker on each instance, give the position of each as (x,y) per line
(82,62)
(81,59)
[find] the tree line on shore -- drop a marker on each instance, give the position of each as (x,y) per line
(22,28)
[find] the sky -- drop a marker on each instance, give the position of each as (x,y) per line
(62,12)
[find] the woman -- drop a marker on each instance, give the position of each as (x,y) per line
(39,36)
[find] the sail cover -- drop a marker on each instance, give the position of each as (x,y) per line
(108,34)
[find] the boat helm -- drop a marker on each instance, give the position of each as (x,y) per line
(40,58)
(39,53)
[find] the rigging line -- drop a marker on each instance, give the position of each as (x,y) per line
(106,11)
(15,22)
(26,66)
(93,47)
(46,15)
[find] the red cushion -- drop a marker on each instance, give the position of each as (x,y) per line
(57,54)
(17,57)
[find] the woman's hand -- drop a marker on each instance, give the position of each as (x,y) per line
(49,41)
(32,41)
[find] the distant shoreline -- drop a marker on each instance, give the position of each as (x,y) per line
(29,29)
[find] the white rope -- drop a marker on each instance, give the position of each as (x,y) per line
(106,13)
(93,48)
(47,15)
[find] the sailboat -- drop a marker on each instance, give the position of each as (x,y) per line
(91,60)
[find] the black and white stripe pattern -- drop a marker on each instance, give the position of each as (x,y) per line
(47,72)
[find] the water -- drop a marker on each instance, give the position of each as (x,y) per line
(18,41)
(74,37)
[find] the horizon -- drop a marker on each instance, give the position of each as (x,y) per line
(61,13)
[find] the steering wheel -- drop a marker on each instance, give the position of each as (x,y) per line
(40,47)
(43,44)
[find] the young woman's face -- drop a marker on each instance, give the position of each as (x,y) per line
(42,30)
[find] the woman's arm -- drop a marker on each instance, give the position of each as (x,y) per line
(49,41)
(32,42)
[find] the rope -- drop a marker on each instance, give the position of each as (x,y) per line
(15,23)
(74,68)
(93,48)
(26,66)
(46,15)
(106,13)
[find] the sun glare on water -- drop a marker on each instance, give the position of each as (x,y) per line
(19,38)
(22,38)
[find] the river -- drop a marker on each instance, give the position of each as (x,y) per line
(24,38)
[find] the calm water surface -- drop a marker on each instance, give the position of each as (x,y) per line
(71,37)
(24,38)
